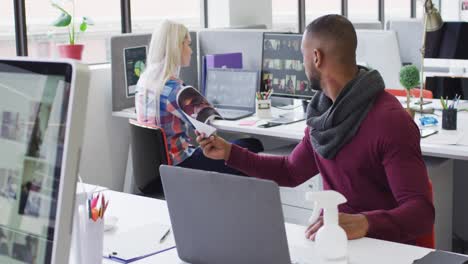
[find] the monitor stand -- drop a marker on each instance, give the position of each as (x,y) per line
(291,116)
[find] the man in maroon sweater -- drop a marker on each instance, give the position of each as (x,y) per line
(358,137)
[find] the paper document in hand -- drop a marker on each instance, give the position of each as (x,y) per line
(202,127)
(196,110)
(137,242)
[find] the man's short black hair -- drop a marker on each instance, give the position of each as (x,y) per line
(337,33)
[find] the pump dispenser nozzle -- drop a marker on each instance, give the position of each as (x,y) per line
(331,241)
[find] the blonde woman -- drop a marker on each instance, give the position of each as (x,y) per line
(157,90)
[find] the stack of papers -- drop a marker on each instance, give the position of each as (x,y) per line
(137,243)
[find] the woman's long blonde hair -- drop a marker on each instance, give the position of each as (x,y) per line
(164,58)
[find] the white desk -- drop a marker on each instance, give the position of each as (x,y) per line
(132,210)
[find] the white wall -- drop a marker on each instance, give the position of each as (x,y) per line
(248,12)
(106,138)
(233,13)
(218,13)
(450,10)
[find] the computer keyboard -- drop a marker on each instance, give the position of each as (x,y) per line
(130,110)
(233,114)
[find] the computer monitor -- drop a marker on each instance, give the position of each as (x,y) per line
(42,111)
(282,66)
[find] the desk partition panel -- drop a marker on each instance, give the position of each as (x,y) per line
(126,50)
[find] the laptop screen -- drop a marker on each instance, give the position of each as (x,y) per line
(230,88)
(33,110)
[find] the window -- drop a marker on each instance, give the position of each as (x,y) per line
(397,9)
(7,30)
(146,14)
(317,8)
(285,15)
(43,38)
(363,10)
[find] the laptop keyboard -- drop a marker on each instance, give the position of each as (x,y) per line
(231,113)
(130,110)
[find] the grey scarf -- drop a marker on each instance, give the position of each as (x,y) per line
(332,125)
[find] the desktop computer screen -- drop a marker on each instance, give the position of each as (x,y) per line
(40,136)
(282,66)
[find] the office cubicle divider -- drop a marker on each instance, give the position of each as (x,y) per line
(120,99)
(409,35)
(118,45)
(248,42)
(375,25)
(379,50)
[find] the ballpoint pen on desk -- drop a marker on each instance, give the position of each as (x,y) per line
(166,234)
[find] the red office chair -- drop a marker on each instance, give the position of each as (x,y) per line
(428,240)
(415,92)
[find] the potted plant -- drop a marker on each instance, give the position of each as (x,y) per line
(67,19)
(409,78)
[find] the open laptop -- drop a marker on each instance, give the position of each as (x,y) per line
(232,91)
(41,132)
(221,218)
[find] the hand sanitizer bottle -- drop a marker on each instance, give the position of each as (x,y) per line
(331,242)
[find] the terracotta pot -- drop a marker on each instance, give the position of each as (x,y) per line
(71,51)
(410,112)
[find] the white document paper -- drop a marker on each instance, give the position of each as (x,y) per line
(201,127)
(138,241)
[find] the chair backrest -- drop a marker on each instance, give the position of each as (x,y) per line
(396,92)
(426,93)
(149,151)
(428,240)
(415,92)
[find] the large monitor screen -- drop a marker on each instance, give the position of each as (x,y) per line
(33,111)
(282,66)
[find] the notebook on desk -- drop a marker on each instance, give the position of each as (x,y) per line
(122,247)
(232,92)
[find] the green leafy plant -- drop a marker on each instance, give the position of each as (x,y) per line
(66,19)
(409,78)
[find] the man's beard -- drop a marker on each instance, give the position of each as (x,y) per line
(314,81)
(315,84)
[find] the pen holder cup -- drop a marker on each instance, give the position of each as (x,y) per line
(449,119)
(94,240)
(87,235)
(264,109)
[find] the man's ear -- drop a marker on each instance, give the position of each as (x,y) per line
(317,57)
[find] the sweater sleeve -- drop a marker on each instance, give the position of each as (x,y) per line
(288,171)
(407,177)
